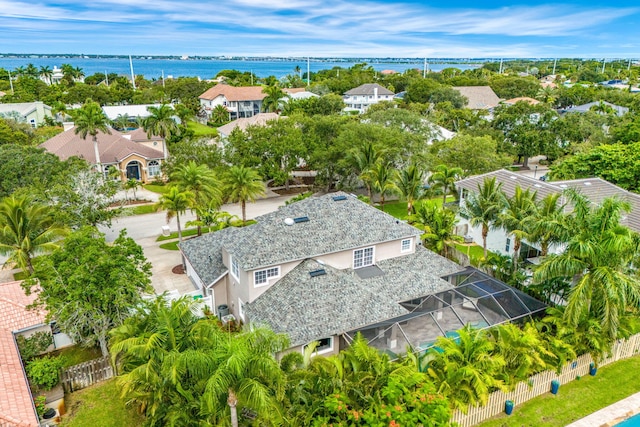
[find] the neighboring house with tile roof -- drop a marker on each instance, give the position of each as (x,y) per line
(134,160)
(479,97)
(243,123)
(317,268)
(240,101)
(32,113)
(362,97)
(16,404)
(498,240)
(526,99)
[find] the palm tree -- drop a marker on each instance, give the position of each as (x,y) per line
(176,202)
(243,184)
(465,369)
(46,73)
(122,122)
(219,114)
(547,95)
(202,182)
(271,102)
(444,177)
(27,229)
(130,184)
(381,178)
(297,70)
(409,184)
(549,226)
(438,224)
(517,216)
(596,259)
(247,374)
(482,208)
(160,122)
(363,158)
(90,120)
(31,71)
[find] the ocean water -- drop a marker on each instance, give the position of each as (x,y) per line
(206,69)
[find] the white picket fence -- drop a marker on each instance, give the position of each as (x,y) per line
(541,383)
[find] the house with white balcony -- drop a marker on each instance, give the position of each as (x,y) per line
(327,267)
(240,101)
(362,97)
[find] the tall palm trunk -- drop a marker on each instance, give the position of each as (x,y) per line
(485,232)
(243,203)
(444,195)
(180,239)
(232,401)
(97,154)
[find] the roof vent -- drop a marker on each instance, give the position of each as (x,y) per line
(301,219)
(537,185)
(587,183)
(318,272)
(339,198)
(289,221)
(563,185)
(513,177)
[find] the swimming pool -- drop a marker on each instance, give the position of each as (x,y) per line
(630,422)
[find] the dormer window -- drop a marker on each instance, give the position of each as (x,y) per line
(363,257)
(261,277)
(405,245)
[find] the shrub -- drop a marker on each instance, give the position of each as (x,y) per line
(34,345)
(44,373)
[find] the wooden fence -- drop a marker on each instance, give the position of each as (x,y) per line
(85,374)
(541,383)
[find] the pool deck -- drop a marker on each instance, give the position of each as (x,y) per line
(612,414)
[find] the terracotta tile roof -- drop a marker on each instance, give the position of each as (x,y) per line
(479,97)
(291,90)
(16,407)
(113,147)
(139,135)
(234,93)
(522,98)
(259,119)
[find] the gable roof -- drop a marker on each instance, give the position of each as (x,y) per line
(620,111)
(333,226)
(595,189)
(234,93)
(512,101)
(369,89)
(16,407)
(22,108)
(479,97)
(259,119)
(309,308)
(113,147)
(140,135)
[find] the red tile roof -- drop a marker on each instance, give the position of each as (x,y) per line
(234,93)
(113,147)
(16,407)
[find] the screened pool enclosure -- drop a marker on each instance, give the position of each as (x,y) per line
(477,299)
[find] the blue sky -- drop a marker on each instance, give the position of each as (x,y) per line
(377,28)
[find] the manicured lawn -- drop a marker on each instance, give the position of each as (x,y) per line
(185,233)
(399,209)
(160,189)
(138,210)
(475,251)
(202,130)
(75,354)
(170,246)
(99,405)
(577,399)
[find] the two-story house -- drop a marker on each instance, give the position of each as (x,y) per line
(363,96)
(500,241)
(240,101)
(326,266)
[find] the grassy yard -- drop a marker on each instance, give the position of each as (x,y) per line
(75,354)
(99,405)
(399,209)
(160,189)
(138,210)
(577,399)
(202,130)
(185,233)
(475,251)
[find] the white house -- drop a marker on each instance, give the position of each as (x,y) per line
(362,97)
(33,113)
(241,101)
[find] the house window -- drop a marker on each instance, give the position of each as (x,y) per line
(153,168)
(405,245)
(363,257)
(235,271)
(325,345)
(261,277)
(507,247)
(240,310)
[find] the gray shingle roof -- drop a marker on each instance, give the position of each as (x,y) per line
(333,226)
(205,253)
(309,308)
(595,189)
(368,89)
(479,97)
